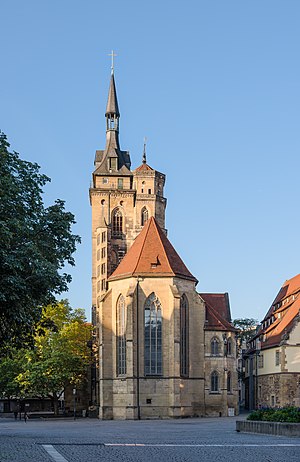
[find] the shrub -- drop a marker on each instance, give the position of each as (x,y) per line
(285,414)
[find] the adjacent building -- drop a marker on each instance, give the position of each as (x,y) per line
(272,362)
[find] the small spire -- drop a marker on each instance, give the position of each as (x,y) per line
(112,107)
(144,152)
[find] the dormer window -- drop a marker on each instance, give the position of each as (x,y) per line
(113,163)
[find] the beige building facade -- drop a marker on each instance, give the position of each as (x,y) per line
(156,334)
(272,366)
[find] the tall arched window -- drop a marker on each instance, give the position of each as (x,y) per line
(117,223)
(153,336)
(214,346)
(121,336)
(229,382)
(214,382)
(229,347)
(184,336)
(144,216)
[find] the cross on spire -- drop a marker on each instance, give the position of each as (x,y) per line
(112,54)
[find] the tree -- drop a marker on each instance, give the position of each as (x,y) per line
(60,356)
(35,244)
(246,328)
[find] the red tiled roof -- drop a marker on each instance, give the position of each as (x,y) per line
(152,254)
(220,302)
(217,312)
(289,287)
(274,336)
(144,167)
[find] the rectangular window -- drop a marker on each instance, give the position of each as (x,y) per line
(277,358)
(261,361)
(103,284)
(103,252)
(120,183)
(113,163)
(98,254)
(98,270)
(272,400)
(103,268)
(98,239)
(103,237)
(149,191)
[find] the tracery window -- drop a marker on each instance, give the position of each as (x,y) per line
(153,336)
(184,336)
(144,216)
(121,336)
(117,223)
(214,346)
(214,382)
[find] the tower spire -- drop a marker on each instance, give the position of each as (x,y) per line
(144,152)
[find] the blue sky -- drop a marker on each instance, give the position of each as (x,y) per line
(214,85)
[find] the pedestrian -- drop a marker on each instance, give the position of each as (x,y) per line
(16,414)
(25,416)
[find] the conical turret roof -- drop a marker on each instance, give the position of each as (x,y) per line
(112,102)
(152,254)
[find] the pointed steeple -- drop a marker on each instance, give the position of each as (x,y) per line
(112,108)
(112,160)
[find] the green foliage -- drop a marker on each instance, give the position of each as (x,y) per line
(246,328)
(36,243)
(60,356)
(286,414)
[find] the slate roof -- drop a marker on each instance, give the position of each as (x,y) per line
(112,102)
(152,254)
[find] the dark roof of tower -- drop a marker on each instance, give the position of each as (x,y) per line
(152,254)
(112,102)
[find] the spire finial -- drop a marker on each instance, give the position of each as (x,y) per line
(112,54)
(144,152)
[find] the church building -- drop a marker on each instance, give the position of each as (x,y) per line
(165,351)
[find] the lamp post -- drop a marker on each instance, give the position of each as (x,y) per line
(74,402)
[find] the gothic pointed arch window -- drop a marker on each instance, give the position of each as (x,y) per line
(214,382)
(229,382)
(184,336)
(153,336)
(229,347)
(214,346)
(144,216)
(117,223)
(121,336)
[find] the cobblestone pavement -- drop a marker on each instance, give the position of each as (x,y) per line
(208,439)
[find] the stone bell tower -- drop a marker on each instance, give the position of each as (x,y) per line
(122,201)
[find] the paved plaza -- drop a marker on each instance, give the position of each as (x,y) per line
(208,439)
